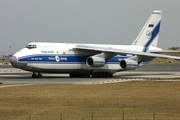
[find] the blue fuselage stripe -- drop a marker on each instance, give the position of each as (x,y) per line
(155,32)
(64,59)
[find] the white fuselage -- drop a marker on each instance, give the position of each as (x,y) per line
(64,58)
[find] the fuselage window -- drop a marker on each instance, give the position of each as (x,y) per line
(31,46)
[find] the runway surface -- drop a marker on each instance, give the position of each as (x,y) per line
(148,71)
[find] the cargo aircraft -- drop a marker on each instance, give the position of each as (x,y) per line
(92,60)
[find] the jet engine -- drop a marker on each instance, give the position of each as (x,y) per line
(128,64)
(95,61)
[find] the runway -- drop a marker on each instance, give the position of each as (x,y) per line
(149,71)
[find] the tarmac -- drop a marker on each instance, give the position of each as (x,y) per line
(146,73)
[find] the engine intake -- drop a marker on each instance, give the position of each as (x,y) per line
(128,64)
(95,61)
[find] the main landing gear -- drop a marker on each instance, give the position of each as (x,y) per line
(78,76)
(102,75)
(36,76)
(94,75)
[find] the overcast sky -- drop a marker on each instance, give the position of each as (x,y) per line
(82,21)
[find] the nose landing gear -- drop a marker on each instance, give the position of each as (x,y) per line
(36,76)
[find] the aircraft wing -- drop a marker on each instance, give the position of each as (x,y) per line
(123,52)
(167,51)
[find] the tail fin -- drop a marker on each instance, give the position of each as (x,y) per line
(150,32)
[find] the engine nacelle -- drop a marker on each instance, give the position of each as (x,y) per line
(128,64)
(95,61)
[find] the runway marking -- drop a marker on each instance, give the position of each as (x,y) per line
(132,79)
(4,86)
(13,75)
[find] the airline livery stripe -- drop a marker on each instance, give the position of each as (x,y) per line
(65,59)
(51,59)
(155,32)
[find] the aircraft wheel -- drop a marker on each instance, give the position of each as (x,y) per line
(106,74)
(110,75)
(94,75)
(99,75)
(103,74)
(71,75)
(39,75)
(34,75)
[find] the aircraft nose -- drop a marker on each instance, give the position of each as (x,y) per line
(17,64)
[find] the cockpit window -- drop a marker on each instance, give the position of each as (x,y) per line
(31,46)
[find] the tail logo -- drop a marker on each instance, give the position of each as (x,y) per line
(148,34)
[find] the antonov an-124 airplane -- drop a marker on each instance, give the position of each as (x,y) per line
(92,60)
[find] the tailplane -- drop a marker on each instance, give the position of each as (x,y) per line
(150,32)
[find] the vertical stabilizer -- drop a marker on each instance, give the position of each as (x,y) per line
(150,32)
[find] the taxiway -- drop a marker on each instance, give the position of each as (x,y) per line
(149,71)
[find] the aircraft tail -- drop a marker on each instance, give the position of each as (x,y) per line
(150,32)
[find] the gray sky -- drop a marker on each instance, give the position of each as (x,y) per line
(82,21)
